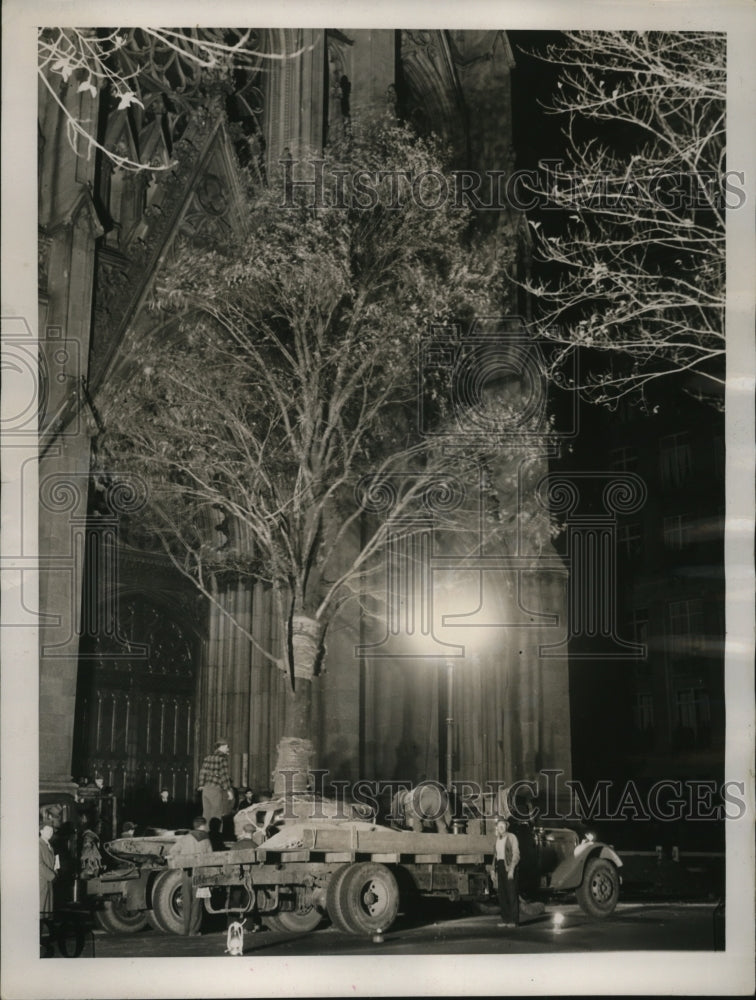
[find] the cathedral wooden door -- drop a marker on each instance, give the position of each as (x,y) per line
(135,708)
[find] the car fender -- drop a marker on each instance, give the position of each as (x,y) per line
(568,874)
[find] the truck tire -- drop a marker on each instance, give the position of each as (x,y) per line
(369,898)
(599,891)
(167,904)
(294,921)
(116,918)
(333,898)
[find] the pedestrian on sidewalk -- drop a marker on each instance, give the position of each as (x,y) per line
(48,869)
(507,860)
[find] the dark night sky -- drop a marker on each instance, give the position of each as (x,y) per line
(596,740)
(536,134)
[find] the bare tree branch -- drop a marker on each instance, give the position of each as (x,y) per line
(637,274)
(98,61)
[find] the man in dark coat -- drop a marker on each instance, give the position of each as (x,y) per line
(46,869)
(168,814)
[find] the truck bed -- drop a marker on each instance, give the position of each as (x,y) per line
(342,842)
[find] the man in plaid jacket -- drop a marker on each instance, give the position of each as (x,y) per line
(214,780)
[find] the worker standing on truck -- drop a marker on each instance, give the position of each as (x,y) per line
(507,857)
(214,780)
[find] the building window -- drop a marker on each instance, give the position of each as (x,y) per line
(675,459)
(629,538)
(638,629)
(685,626)
(639,625)
(676,531)
(643,711)
(693,717)
(623,459)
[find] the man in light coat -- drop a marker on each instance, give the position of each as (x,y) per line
(507,860)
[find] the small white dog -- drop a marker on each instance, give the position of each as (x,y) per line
(235,938)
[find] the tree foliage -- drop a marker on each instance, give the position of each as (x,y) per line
(637,274)
(281,369)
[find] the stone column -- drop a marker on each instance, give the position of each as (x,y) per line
(592,559)
(69,228)
(293,118)
(372,66)
(408,550)
(224,695)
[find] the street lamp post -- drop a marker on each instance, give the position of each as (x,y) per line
(449,723)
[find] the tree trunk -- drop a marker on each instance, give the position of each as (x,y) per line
(295,749)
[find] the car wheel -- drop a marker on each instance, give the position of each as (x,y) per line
(599,891)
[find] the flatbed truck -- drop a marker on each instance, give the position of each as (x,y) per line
(359,874)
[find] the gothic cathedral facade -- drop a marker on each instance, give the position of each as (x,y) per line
(138,673)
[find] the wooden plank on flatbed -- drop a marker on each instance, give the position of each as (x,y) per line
(381,840)
(392,859)
(345,842)
(245,855)
(470,859)
(295,856)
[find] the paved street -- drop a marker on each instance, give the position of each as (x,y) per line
(633,927)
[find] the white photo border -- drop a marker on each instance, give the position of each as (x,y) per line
(702,973)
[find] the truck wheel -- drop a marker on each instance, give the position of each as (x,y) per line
(168,905)
(333,898)
(115,917)
(294,920)
(369,898)
(599,891)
